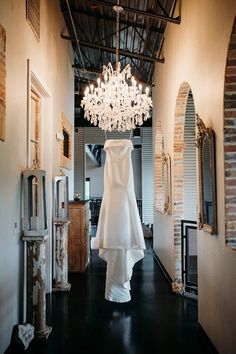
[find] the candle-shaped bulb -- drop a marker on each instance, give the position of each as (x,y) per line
(140,87)
(147,91)
(86,91)
(105,77)
(91,87)
(98,81)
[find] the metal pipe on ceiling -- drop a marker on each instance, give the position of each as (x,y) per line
(113,50)
(141,12)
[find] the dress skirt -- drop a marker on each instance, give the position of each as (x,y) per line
(119,236)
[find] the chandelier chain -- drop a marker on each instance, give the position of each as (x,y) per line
(116,103)
(117,34)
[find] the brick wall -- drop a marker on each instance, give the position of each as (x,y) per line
(178,173)
(230,141)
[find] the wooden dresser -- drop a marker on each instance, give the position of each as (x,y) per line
(78,236)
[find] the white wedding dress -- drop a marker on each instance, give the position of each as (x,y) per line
(119,236)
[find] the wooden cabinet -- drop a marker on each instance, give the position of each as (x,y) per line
(78,236)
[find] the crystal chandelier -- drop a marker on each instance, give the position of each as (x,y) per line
(117,103)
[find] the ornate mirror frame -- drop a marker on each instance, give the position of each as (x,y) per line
(162,180)
(163,189)
(206,135)
(167,183)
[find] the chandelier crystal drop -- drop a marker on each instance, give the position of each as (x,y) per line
(117,103)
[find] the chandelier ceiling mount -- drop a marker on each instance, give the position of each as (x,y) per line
(117,103)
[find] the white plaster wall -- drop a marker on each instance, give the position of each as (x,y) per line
(50,59)
(196,51)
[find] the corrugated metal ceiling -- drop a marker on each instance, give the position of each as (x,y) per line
(93,24)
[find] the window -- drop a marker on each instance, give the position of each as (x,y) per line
(87,188)
(65,144)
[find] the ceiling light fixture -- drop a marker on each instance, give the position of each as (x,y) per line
(117,103)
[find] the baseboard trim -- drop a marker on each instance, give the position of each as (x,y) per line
(163,270)
(207,340)
(169,280)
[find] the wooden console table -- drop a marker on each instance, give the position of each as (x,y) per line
(78,236)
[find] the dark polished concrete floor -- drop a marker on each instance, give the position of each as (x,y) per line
(155,321)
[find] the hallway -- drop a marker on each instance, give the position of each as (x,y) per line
(154,321)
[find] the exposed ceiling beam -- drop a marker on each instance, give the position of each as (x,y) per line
(85,80)
(126,53)
(111,19)
(162,8)
(175,20)
(87,69)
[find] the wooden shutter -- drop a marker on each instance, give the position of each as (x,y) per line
(33,15)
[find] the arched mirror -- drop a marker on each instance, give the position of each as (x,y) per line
(205,143)
(162,174)
(167,183)
(163,183)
